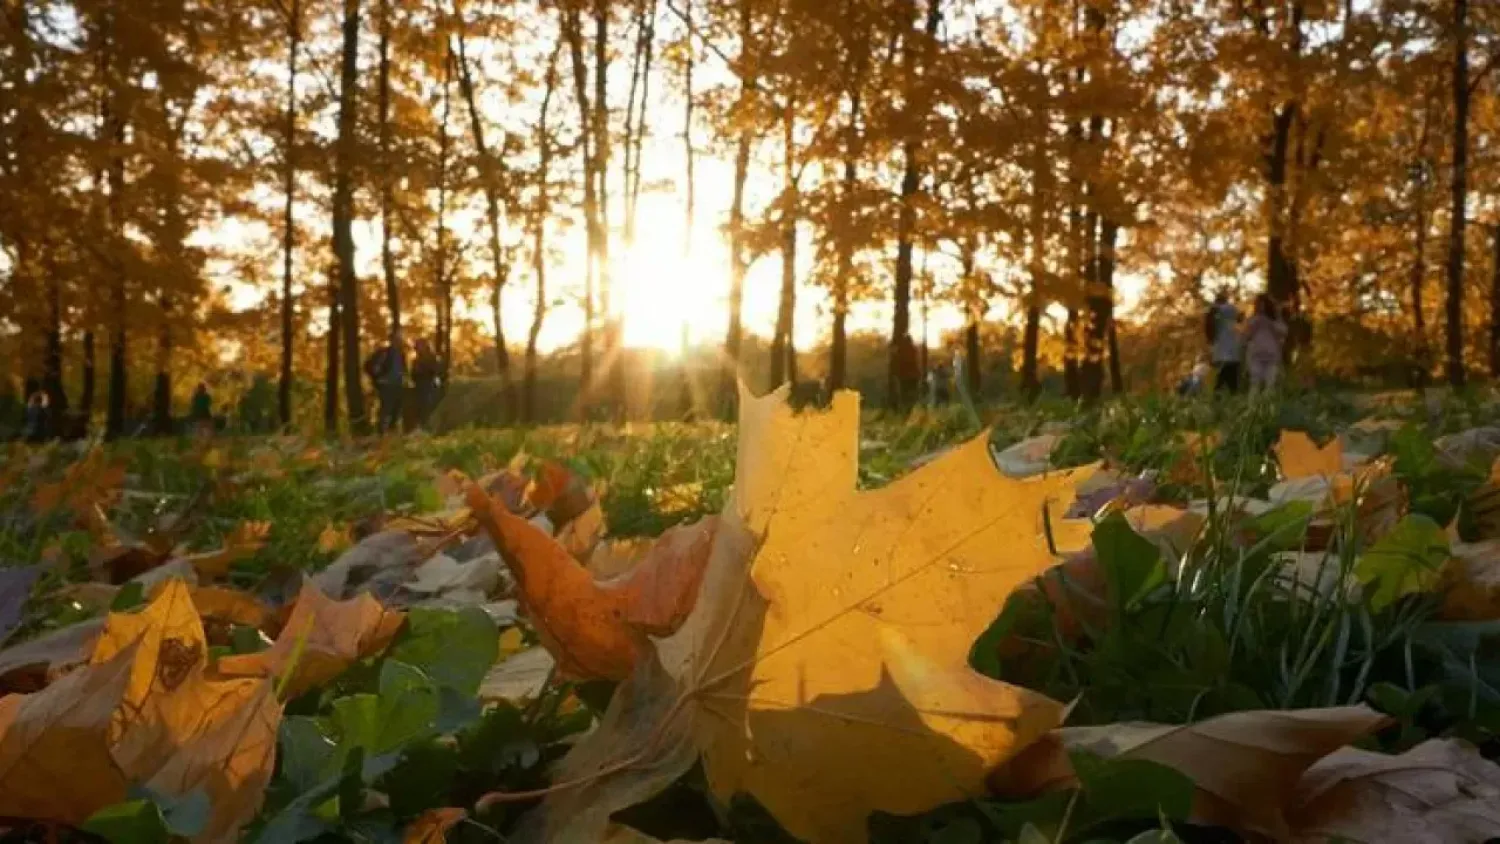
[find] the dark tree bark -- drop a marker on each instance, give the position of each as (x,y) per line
(288,222)
(491,183)
(331,352)
(911,180)
(1495,309)
(685,386)
(1453,305)
(113,127)
(612,363)
(838,350)
(387,181)
(738,260)
(343,218)
(540,213)
(572,29)
(783,346)
(1041,190)
(90,368)
(1108,235)
(441,275)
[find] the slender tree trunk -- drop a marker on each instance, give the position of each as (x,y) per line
(783,348)
(52,367)
(345,150)
(387,180)
(690,207)
(1454,303)
(906,219)
(90,370)
(1416,281)
(113,126)
(331,351)
(572,28)
(289,222)
(738,260)
(838,351)
(973,316)
(540,214)
(613,363)
(442,275)
(1495,309)
(1282,281)
(1041,191)
(1108,236)
(491,178)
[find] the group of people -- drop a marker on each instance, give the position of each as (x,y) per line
(1240,346)
(387,370)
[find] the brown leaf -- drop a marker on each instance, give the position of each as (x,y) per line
(336,634)
(583,624)
(432,826)
(1471,582)
(1439,791)
(661,589)
(55,759)
(1245,764)
(87,486)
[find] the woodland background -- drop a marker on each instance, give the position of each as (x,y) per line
(198,189)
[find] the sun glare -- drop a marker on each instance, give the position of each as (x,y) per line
(665,292)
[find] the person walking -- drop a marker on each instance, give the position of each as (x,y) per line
(201,411)
(1265,340)
(386,367)
(1225,343)
(38,426)
(425,374)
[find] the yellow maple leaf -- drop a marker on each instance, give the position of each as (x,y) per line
(824,669)
(1300,457)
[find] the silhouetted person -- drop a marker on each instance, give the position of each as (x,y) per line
(201,410)
(1265,339)
(1225,341)
(38,424)
(386,367)
(425,374)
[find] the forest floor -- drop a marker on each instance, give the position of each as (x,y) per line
(1316,553)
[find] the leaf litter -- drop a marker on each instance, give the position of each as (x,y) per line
(804,644)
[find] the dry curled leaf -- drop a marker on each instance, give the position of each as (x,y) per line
(1471,582)
(1438,792)
(55,757)
(520,677)
(1300,457)
(31,665)
(1245,764)
(243,542)
(824,668)
(324,635)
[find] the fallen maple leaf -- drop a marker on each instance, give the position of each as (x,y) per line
(33,664)
(431,827)
(88,485)
(1439,791)
(1300,457)
(325,637)
(595,629)
(230,756)
(1471,582)
(519,677)
(824,668)
(1245,764)
(55,759)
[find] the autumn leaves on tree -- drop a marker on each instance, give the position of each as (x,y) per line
(188,179)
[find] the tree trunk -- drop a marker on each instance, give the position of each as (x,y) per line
(1495,309)
(973,316)
(838,351)
(345,150)
(738,265)
(288,222)
(331,370)
(1454,303)
(387,182)
(1108,235)
(442,277)
(86,390)
(572,29)
(1041,189)
(906,218)
(783,346)
(52,365)
(690,210)
(491,186)
(612,362)
(1422,367)
(540,213)
(1282,282)
(113,126)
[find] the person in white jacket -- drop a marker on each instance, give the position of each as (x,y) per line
(1265,340)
